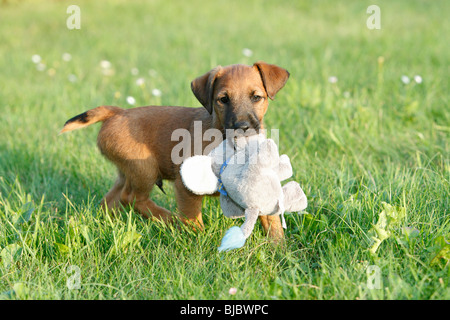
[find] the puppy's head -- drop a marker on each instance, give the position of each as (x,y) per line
(237,95)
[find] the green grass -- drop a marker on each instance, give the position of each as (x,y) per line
(354,144)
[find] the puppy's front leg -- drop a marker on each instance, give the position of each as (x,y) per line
(189,205)
(273,228)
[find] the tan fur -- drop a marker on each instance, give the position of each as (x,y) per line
(138,140)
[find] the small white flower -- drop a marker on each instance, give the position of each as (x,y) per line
(140,82)
(72,78)
(105,64)
(232,291)
(247,52)
(332,79)
(156,92)
(66,56)
(346,94)
(36,58)
(40,67)
(405,79)
(134,71)
(417,78)
(152,73)
(131,100)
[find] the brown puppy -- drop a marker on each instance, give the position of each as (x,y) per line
(140,141)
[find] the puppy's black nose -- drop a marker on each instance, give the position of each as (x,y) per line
(243,125)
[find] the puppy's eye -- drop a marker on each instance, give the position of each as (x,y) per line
(256,98)
(224,99)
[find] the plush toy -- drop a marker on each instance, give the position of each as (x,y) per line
(247,171)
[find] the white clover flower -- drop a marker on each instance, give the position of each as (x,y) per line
(140,82)
(72,78)
(40,67)
(36,58)
(131,100)
(332,79)
(156,92)
(232,291)
(417,78)
(247,52)
(405,79)
(66,56)
(105,64)
(134,71)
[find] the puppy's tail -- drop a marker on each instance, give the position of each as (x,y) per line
(89,117)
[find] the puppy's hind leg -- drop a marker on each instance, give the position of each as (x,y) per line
(137,188)
(111,201)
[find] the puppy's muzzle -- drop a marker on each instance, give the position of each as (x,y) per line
(242,125)
(245,123)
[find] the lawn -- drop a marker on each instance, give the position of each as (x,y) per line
(364,118)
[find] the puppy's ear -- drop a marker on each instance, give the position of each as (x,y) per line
(273,77)
(203,88)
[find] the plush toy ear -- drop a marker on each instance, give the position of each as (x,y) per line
(284,168)
(274,78)
(197,175)
(294,197)
(267,154)
(203,88)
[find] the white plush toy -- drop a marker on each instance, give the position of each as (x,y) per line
(247,171)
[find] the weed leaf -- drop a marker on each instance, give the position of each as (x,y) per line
(10,254)
(25,216)
(390,218)
(443,253)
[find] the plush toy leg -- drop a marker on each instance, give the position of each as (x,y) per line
(235,237)
(251,215)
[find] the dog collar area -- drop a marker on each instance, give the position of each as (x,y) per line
(222,168)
